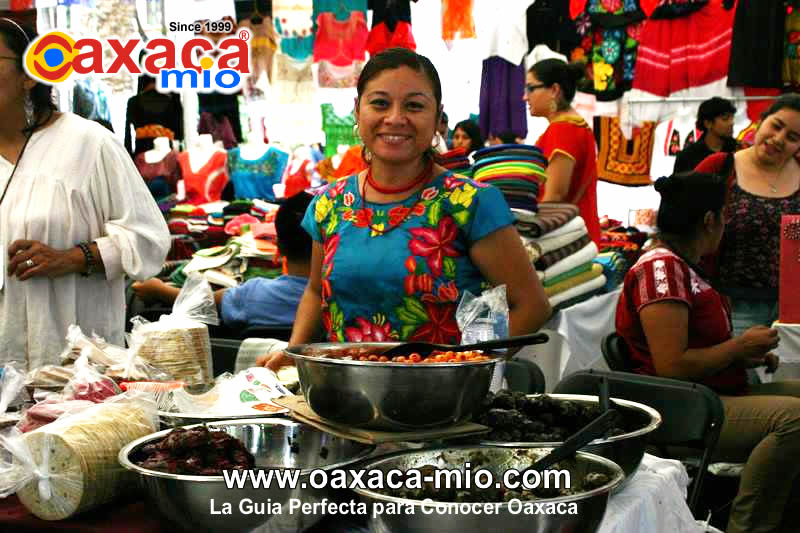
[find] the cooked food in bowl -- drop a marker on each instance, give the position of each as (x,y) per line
(195,451)
(369,355)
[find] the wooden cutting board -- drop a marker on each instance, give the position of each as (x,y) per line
(300,411)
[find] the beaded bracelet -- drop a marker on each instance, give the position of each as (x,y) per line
(89,257)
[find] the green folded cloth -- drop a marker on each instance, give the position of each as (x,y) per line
(568,274)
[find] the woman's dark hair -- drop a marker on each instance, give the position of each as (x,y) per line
(293,241)
(784,101)
(16,38)
(473,132)
(685,200)
(566,75)
(393,58)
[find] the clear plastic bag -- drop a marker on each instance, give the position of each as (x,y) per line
(89,384)
(484,318)
(11,384)
(51,377)
(179,343)
(135,368)
(96,348)
(71,465)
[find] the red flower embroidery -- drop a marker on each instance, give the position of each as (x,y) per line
(429,193)
(349,198)
(612,6)
(441,328)
(409,284)
(338,188)
(451,182)
(363,218)
(411,264)
(448,292)
(368,331)
(325,293)
(434,244)
(398,214)
(347,215)
(418,210)
(331,245)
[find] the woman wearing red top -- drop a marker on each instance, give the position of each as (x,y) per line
(568,142)
(677,325)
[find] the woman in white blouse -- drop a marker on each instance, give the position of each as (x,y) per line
(75,218)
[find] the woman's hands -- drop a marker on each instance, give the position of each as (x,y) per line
(755,346)
(274,360)
(28,259)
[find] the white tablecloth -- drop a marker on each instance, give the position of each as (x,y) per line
(575,336)
(789,353)
(652,501)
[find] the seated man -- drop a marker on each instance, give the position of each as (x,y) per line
(259,301)
(678,326)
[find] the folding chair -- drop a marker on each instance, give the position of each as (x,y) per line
(524,376)
(616,353)
(223,353)
(692,414)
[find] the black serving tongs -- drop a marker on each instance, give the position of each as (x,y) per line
(426,348)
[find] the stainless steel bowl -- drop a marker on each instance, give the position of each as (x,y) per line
(388,396)
(420,516)
(626,450)
(172,420)
(186,500)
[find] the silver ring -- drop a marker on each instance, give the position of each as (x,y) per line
(29,263)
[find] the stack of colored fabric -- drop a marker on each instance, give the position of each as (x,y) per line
(559,246)
(517,170)
(457,161)
(617,238)
(614,266)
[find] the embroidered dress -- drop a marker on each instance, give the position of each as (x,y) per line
(398,270)
(254,178)
(338,130)
(341,42)
(205,185)
(293,81)
(457,22)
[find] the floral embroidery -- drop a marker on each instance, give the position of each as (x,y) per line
(435,244)
(612,6)
(603,74)
(429,193)
(441,324)
(463,197)
(611,50)
(323,207)
(398,214)
(660,274)
(349,198)
(363,218)
(377,331)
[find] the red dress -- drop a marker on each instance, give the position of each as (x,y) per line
(661,276)
(572,137)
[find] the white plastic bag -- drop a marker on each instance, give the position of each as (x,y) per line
(485,318)
(11,384)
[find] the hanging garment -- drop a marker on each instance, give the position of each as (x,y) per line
(293,81)
(152,107)
(338,130)
(167,171)
(205,185)
(614,13)
(501,106)
(457,22)
(669,9)
(620,160)
(791,50)
(686,52)
(254,178)
(352,163)
(503,31)
(757,46)
(669,137)
(548,23)
(341,42)
(391,26)
(336,77)
(341,9)
(90,99)
(220,104)
(219,127)
(294,24)
(263,44)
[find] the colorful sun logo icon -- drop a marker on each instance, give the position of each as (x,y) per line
(49,58)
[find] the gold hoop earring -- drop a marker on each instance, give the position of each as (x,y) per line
(553,106)
(356,133)
(366,155)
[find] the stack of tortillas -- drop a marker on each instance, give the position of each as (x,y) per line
(79,454)
(181,348)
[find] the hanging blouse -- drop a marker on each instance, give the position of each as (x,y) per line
(293,80)
(791,49)
(262,47)
(338,130)
(335,77)
(294,25)
(341,42)
(205,185)
(254,178)
(341,9)
(391,26)
(167,168)
(614,13)
(457,22)
(620,160)
(219,127)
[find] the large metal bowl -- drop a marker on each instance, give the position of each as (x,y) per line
(424,516)
(389,396)
(626,450)
(186,499)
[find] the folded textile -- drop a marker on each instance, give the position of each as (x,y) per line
(568,274)
(574,281)
(550,244)
(576,300)
(584,255)
(573,225)
(593,284)
(615,266)
(551,215)
(549,259)
(521,215)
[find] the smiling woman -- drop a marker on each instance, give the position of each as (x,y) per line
(396,246)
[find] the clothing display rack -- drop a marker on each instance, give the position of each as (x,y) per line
(691,99)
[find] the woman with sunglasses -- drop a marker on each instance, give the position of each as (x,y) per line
(568,142)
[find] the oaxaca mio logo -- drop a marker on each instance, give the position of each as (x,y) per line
(200,64)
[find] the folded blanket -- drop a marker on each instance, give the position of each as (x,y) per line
(551,258)
(574,281)
(554,243)
(568,274)
(576,300)
(551,215)
(584,288)
(575,224)
(584,255)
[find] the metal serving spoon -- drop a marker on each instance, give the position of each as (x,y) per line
(425,348)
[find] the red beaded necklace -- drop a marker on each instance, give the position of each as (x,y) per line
(423,177)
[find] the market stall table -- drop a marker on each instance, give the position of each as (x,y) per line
(788,351)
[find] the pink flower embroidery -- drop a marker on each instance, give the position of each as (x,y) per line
(349,198)
(451,182)
(435,244)
(368,331)
(430,193)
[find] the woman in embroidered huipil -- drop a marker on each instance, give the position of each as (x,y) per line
(396,245)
